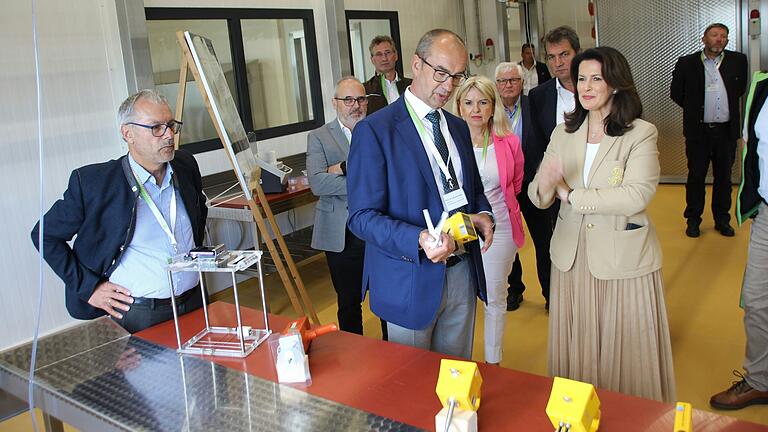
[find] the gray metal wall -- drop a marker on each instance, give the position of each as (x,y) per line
(652,35)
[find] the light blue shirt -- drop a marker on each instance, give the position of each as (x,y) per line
(142,267)
(715,95)
(517,127)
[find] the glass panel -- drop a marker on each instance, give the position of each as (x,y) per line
(166,58)
(277,71)
(361,33)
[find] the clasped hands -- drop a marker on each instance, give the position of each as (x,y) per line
(441,250)
(551,178)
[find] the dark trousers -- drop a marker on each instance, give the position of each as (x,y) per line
(716,146)
(145,313)
(347,276)
(541,224)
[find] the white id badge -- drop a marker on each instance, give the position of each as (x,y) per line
(455,199)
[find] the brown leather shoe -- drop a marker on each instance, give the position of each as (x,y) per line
(738,396)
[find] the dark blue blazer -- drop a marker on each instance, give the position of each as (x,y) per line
(99,206)
(543,108)
(389,183)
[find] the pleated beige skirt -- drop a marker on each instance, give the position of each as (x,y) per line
(611,333)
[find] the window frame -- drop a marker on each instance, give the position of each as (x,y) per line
(394,30)
(233,16)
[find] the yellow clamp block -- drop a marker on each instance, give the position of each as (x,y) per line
(461,381)
(460,227)
(573,405)
(683,413)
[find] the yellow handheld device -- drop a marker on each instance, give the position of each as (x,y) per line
(683,413)
(573,406)
(460,227)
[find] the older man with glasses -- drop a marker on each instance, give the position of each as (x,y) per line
(411,157)
(327,152)
(129,216)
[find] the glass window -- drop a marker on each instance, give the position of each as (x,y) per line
(269,59)
(166,58)
(276,67)
(361,33)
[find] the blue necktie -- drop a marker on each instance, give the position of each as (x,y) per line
(442,148)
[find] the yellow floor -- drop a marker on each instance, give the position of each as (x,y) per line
(702,280)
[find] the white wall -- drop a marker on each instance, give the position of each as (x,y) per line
(573,13)
(82,84)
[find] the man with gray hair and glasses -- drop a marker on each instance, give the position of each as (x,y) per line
(128,217)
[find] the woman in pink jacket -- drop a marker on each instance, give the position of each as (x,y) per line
(500,161)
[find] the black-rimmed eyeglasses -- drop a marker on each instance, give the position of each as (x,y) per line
(508,81)
(442,76)
(350,101)
(159,129)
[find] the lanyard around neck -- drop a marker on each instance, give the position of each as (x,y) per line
(384,88)
(718,61)
(431,144)
(486,138)
(156,212)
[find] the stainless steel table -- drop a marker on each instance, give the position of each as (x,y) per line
(95,376)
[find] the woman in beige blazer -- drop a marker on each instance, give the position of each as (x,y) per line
(608,323)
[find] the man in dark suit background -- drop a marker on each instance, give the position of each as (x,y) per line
(707,85)
(411,156)
(385,86)
(327,152)
(548,104)
(534,72)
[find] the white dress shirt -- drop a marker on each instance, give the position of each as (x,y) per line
(530,78)
(422,109)
(391,89)
(566,102)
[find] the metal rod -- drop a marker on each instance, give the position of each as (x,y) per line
(263,296)
(202,293)
(449,417)
(175,313)
(237,310)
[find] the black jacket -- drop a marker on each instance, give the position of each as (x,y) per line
(373,87)
(543,108)
(542,71)
(687,90)
(99,206)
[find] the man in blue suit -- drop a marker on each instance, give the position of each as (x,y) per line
(407,157)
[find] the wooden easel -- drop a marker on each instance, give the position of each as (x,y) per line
(188,63)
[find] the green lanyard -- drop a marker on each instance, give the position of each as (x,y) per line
(486,139)
(156,212)
(432,148)
(384,87)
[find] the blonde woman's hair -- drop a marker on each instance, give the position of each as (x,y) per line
(499,121)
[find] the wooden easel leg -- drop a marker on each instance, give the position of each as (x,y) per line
(262,226)
(288,257)
(180,96)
